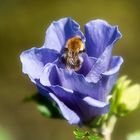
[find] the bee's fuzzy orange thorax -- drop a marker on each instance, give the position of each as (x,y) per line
(75,44)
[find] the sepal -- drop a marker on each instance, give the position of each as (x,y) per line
(45,105)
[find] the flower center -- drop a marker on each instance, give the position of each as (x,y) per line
(72,58)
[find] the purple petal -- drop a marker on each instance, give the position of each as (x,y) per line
(94,102)
(99,34)
(53,76)
(60,31)
(82,107)
(116,62)
(34,60)
(87,64)
(101,65)
(107,83)
(68,114)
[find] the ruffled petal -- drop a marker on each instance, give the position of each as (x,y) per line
(94,102)
(114,67)
(99,34)
(105,65)
(53,76)
(87,64)
(107,83)
(34,60)
(60,31)
(68,114)
(82,107)
(101,65)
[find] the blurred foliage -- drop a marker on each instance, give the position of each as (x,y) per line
(5,135)
(125,97)
(45,105)
(98,121)
(134,136)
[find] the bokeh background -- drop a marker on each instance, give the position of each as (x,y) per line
(22,26)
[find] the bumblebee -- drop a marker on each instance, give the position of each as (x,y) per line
(74,47)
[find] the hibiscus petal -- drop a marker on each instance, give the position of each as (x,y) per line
(87,64)
(82,107)
(94,102)
(77,82)
(116,62)
(68,114)
(101,65)
(99,34)
(107,83)
(60,31)
(52,75)
(34,60)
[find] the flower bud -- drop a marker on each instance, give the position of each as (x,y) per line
(125,97)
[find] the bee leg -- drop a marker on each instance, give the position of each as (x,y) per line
(82,51)
(77,66)
(65,49)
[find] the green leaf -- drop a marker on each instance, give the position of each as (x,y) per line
(97,122)
(86,135)
(44,110)
(134,136)
(45,105)
(79,134)
(92,137)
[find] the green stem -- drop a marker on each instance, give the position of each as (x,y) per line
(108,127)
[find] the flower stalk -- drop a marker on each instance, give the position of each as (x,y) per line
(108,127)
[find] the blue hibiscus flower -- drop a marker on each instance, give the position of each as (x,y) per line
(77,71)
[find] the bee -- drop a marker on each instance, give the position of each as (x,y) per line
(74,47)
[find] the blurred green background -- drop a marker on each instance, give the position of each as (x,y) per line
(22,26)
